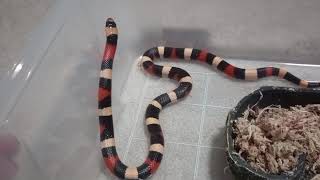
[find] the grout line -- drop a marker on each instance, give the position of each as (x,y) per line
(204,104)
(201,126)
(201,73)
(170,142)
(194,104)
(209,147)
(136,119)
(223,107)
(185,144)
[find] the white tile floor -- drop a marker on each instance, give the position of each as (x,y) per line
(195,127)
(54,113)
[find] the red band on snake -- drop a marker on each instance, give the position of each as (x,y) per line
(156,149)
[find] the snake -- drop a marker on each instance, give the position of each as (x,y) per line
(156,148)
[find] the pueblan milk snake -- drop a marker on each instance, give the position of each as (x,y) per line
(154,158)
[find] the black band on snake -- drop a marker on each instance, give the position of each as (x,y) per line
(156,149)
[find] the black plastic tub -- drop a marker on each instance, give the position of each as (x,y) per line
(263,97)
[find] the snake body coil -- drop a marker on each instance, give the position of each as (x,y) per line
(154,157)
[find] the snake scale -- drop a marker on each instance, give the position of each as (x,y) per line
(153,160)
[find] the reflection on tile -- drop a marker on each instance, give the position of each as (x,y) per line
(15,28)
(303,72)
(213,131)
(212,163)
(159,86)
(178,162)
(179,122)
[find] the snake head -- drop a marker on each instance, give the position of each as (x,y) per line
(111,31)
(110,23)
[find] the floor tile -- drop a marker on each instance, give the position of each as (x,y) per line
(213,130)
(212,164)
(159,86)
(225,91)
(123,120)
(179,122)
(308,73)
(136,80)
(178,162)
(189,66)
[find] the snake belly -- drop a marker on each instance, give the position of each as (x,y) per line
(156,148)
